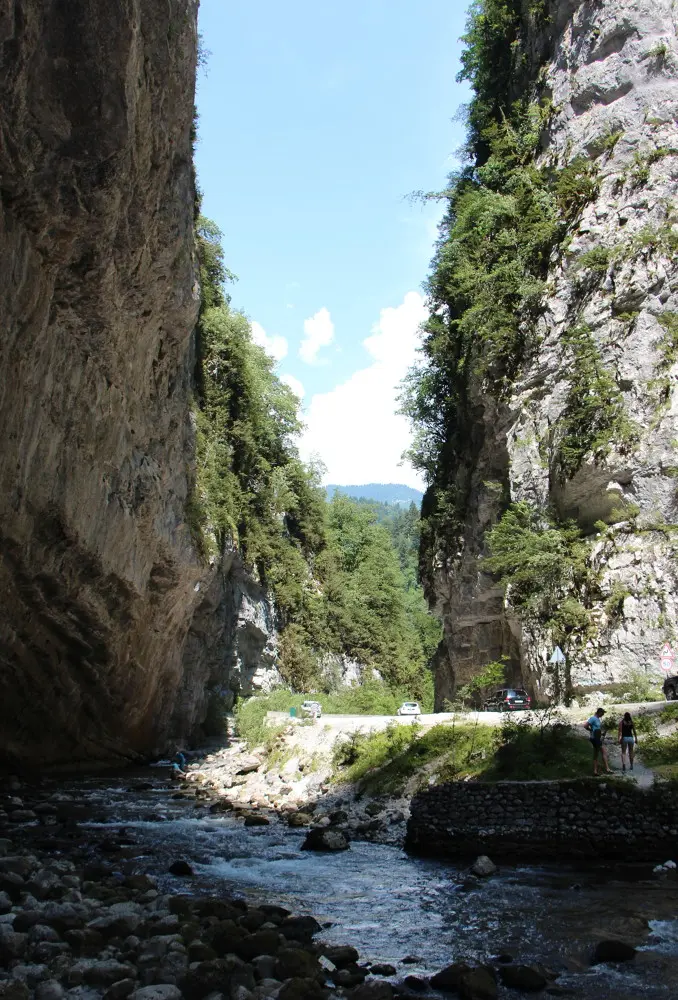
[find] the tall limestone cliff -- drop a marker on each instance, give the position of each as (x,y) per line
(547,403)
(100,583)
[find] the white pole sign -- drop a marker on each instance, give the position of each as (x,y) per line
(667,658)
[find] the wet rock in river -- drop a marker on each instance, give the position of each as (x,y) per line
(483,866)
(523,977)
(449,978)
(613,951)
(256,819)
(319,839)
(417,984)
(341,954)
(180,868)
(296,962)
(163,991)
(302,989)
(375,989)
(478,984)
(300,928)
(382,969)
(299,819)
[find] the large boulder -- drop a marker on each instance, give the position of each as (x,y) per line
(612,950)
(483,866)
(320,839)
(523,977)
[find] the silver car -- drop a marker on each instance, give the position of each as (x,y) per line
(409,708)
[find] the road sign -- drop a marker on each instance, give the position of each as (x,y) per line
(557,656)
(667,658)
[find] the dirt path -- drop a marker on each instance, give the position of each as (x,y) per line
(642,775)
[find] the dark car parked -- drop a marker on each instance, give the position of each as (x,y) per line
(671,688)
(507,700)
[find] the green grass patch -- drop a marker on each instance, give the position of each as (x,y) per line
(383,762)
(660,750)
(531,753)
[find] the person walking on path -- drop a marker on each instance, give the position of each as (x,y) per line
(594,726)
(628,738)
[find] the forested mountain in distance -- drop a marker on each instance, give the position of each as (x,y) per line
(392,493)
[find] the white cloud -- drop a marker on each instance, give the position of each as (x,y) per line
(294,384)
(276,346)
(354,428)
(318,333)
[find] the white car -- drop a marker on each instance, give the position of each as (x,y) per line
(312,708)
(409,708)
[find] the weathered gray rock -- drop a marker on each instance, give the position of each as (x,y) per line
(523,977)
(483,866)
(320,839)
(610,71)
(162,991)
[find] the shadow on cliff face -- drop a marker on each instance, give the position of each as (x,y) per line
(98,573)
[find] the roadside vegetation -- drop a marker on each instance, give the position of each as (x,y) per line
(385,762)
(660,752)
(370,698)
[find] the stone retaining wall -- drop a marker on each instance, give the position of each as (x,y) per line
(584,818)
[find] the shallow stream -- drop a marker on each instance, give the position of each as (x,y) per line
(392,907)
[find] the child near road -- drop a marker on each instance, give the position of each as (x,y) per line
(594,725)
(628,738)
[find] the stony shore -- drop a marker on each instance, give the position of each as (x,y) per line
(81,919)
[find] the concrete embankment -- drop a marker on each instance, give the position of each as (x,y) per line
(580,819)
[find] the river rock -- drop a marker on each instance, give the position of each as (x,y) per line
(319,839)
(259,943)
(300,928)
(483,866)
(12,944)
(382,969)
(375,989)
(449,978)
(416,983)
(299,819)
(478,984)
(302,989)
(121,989)
(50,989)
(248,764)
(180,868)
(523,977)
(163,991)
(340,954)
(13,990)
(612,950)
(256,819)
(296,962)
(5,903)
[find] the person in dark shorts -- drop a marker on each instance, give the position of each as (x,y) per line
(627,739)
(594,726)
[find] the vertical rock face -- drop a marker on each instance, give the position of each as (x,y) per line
(612,74)
(98,303)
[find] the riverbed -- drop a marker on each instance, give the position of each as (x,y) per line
(418,915)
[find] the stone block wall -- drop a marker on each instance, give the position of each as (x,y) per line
(525,820)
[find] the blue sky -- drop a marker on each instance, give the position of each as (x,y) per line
(316,122)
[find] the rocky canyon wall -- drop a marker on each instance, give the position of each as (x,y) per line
(608,325)
(99,579)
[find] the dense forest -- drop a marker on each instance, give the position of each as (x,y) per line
(342,572)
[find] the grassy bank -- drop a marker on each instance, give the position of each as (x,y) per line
(386,761)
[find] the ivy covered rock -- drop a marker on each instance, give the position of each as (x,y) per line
(545,400)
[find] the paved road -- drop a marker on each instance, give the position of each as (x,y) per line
(353,723)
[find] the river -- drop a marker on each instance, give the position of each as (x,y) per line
(392,906)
